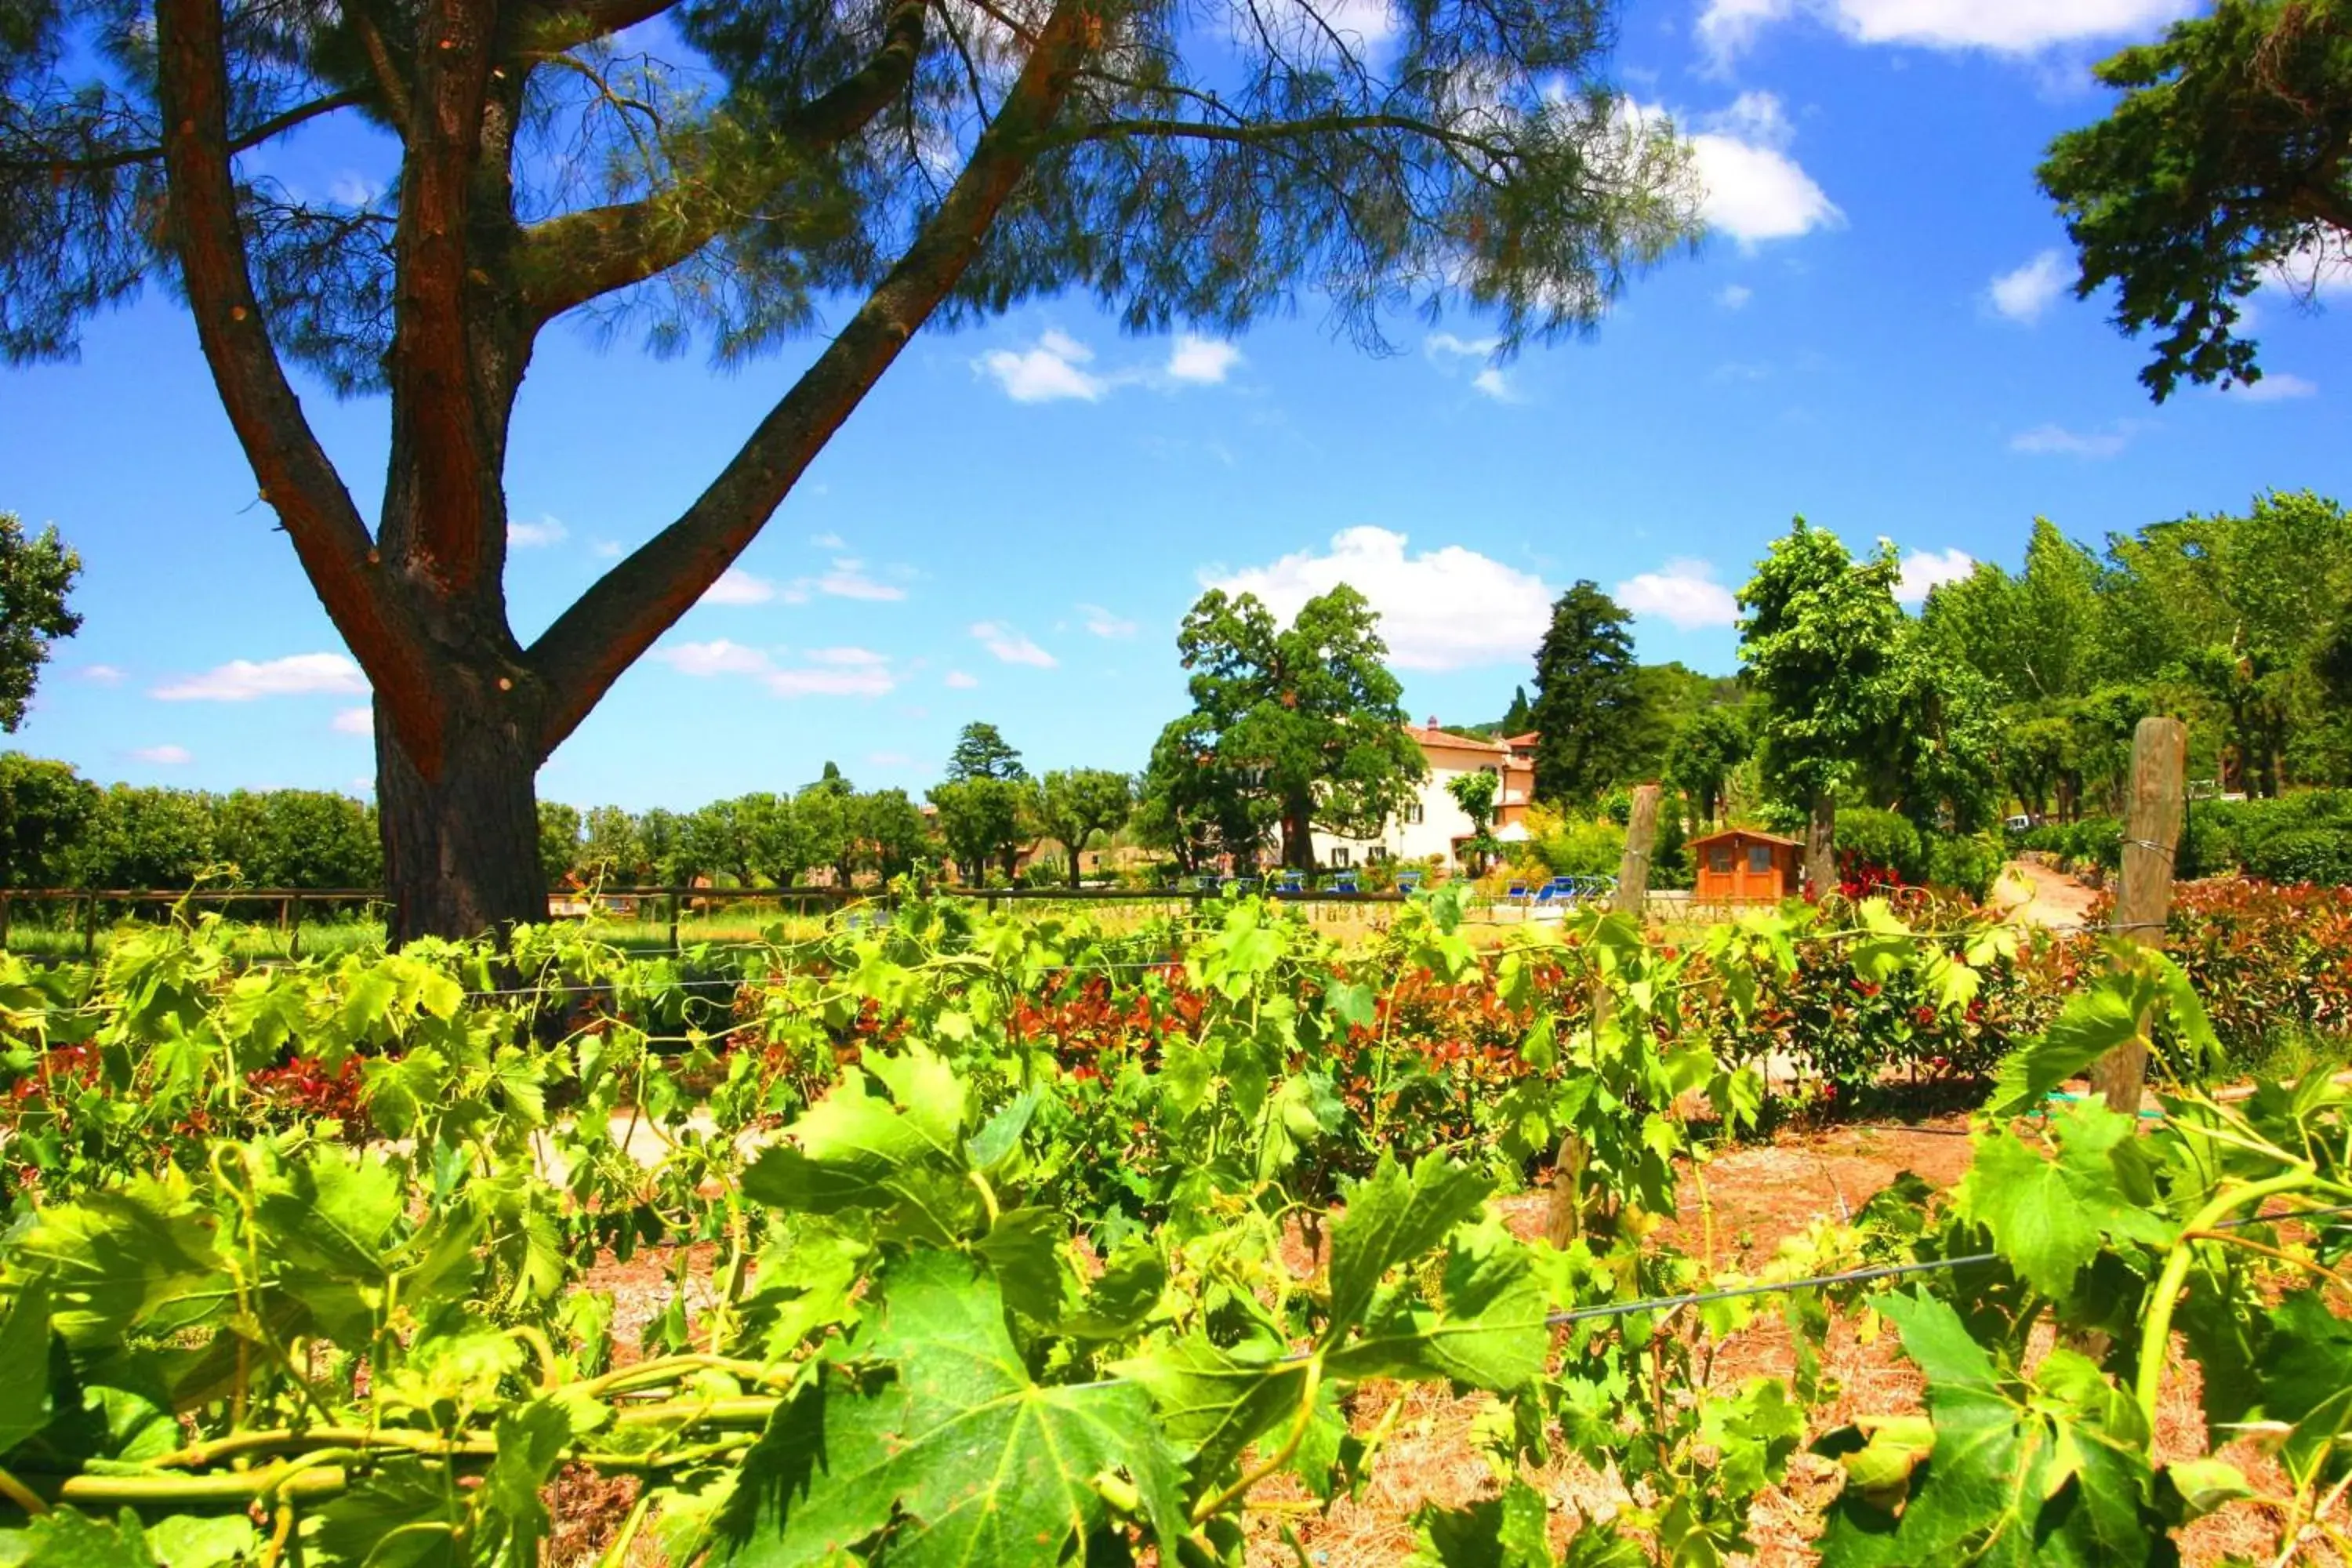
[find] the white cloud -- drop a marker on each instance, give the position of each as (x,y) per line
(99,674)
(243,679)
(2049,440)
(832,680)
(523,535)
(2275,387)
(607,550)
(847,579)
(1202,362)
(1446,344)
(827,672)
(1683,593)
(717,657)
(1734,296)
(2023,295)
(1927,569)
(2313,271)
(1450,608)
(1007,643)
(353,189)
(355,721)
(1755,191)
(1104,624)
(828,542)
(1054,370)
(890,760)
(1495,384)
(736,586)
(163,756)
(960,680)
(2006,26)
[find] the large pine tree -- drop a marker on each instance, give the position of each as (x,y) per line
(743,169)
(1588,704)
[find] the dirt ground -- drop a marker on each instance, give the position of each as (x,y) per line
(1757,1195)
(2048,896)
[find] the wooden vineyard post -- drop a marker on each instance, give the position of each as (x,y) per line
(1565,1221)
(2152,828)
(672,921)
(294,926)
(3,922)
(89,926)
(1633,870)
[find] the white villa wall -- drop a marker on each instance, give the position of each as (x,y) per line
(1442,821)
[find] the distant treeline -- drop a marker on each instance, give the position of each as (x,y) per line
(58,829)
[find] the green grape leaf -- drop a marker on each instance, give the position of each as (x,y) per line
(1753,1433)
(2096,1019)
(1217,1402)
(330,1227)
(199,1541)
(1508,1532)
(140,1254)
(999,1138)
(1122,1297)
(65,1538)
(1023,1249)
(1350,1004)
(2305,1373)
(24,1403)
(955,1450)
(405,1515)
(1490,1334)
(2048,1216)
(1391,1219)
(2053,1474)
(846,1149)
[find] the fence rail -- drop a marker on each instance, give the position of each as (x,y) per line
(290,901)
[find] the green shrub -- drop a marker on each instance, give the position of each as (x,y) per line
(1965,864)
(1867,836)
(1572,846)
(2317,855)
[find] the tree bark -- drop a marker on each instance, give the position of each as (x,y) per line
(1821,846)
(1298,835)
(461,843)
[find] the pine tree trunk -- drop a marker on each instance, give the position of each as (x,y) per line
(1821,846)
(461,849)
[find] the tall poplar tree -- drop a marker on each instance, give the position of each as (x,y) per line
(746,170)
(1818,641)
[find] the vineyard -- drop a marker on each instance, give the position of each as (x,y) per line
(1018,1240)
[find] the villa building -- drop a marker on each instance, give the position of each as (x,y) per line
(1433,823)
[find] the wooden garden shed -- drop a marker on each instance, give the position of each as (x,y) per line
(1742,863)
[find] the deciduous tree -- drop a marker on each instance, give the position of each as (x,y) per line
(1305,716)
(730,169)
(1073,804)
(35,575)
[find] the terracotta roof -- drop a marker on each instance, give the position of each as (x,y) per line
(1529,738)
(1431,735)
(1750,833)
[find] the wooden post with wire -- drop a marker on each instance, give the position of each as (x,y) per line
(2144,894)
(1641,834)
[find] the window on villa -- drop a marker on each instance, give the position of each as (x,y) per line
(1378,854)
(1338,855)
(1414,812)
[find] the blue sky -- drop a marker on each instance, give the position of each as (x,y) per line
(1878,334)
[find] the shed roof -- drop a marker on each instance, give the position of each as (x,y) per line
(1751,833)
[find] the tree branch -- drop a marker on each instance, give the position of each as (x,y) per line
(276,125)
(292,469)
(439,410)
(619,618)
(567,261)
